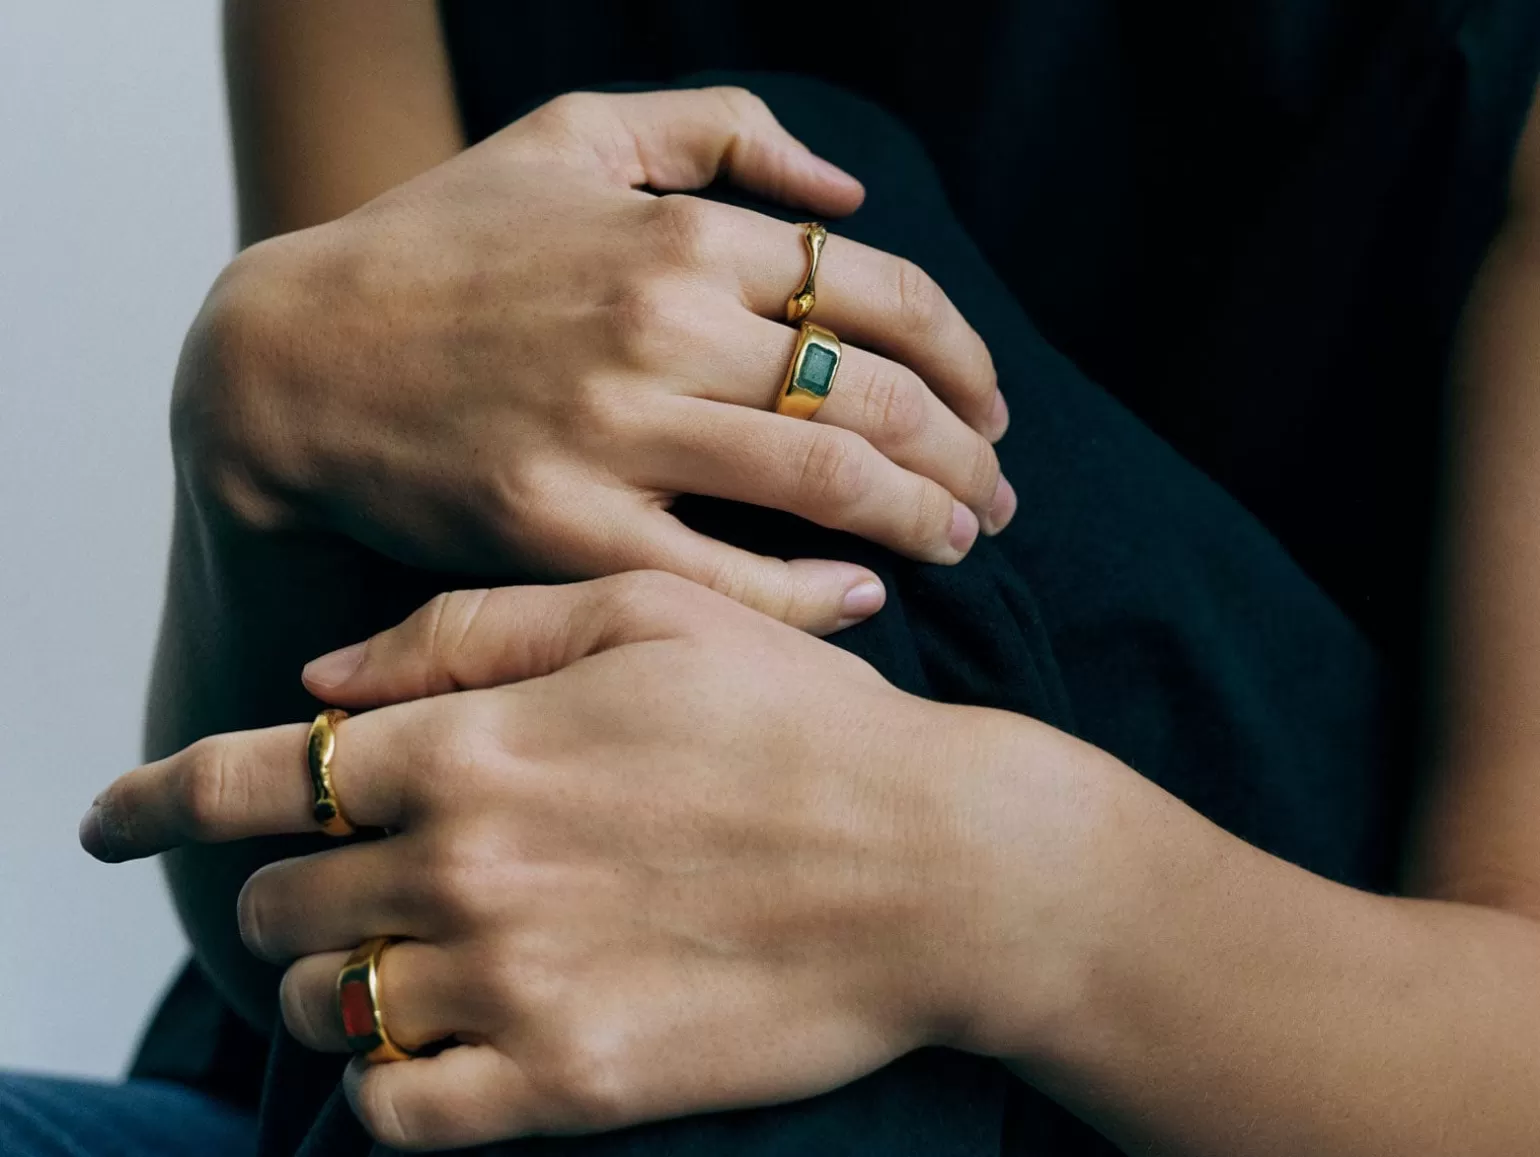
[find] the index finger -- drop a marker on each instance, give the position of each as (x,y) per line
(239,785)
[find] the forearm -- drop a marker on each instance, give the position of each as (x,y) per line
(1226,1003)
(331,104)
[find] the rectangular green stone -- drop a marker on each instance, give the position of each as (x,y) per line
(816,373)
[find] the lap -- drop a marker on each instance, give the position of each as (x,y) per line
(50,1117)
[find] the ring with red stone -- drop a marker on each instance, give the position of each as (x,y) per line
(358,996)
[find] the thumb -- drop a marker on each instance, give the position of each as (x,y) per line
(464,640)
(819,596)
(684,139)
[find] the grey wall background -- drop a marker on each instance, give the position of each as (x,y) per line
(115,215)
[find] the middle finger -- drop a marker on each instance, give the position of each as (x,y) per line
(335,899)
(885,402)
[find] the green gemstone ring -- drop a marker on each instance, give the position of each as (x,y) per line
(810,376)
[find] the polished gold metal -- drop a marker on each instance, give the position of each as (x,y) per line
(358,998)
(810,376)
(801,303)
(319,749)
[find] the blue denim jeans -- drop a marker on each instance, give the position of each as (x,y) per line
(50,1117)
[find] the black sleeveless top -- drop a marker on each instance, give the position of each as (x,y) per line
(1252,221)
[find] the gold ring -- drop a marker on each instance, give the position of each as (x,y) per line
(358,995)
(810,376)
(319,749)
(801,303)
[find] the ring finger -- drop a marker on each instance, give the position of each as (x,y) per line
(334,900)
(419,997)
(886,403)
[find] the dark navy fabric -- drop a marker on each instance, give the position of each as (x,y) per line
(48,1117)
(1218,250)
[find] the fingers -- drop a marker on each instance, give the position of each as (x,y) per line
(870,298)
(685,139)
(883,401)
(467,1095)
(249,783)
(486,638)
(819,596)
(334,900)
(422,997)
(825,474)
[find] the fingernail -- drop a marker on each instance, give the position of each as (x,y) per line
(337,667)
(965,528)
(91,838)
(999,417)
(861,602)
(1001,509)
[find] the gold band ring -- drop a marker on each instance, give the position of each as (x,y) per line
(801,303)
(319,749)
(358,995)
(810,376)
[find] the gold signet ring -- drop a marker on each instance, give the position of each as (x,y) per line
(810,376)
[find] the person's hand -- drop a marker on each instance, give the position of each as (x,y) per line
(523,356)
(689,859)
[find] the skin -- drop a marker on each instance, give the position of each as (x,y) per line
(524,359)
(949,875)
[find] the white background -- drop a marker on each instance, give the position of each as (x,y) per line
(115,216)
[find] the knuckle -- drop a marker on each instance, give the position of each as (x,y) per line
(741,102)
(983,473)
(250,917)
(649,320)
(570,109)
(728,578)
(833,471)
(932,519)
(208,790)
(294,1009)
(522,975)
(461,753)
(379,1112)
(589,1082)
(920,299)
(646,595)
(895,404)
(451,619)
(462,880)
(684,230)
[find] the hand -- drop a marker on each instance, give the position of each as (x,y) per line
(691,859)
(521,358)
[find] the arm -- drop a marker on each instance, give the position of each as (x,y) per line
(1235,1005)
(332,104)
(328,419)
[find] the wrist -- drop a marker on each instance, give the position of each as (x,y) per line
(1018,928)
(231,434)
